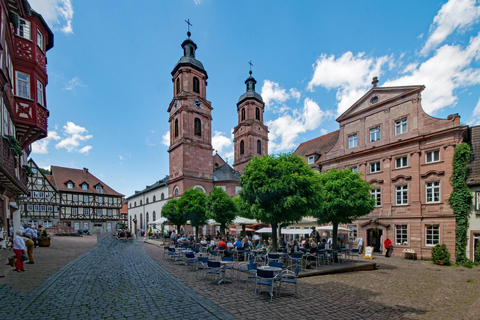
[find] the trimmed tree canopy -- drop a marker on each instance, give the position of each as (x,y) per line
(193,204)
(171,211)
(220,207)
(280,189)
(344,196)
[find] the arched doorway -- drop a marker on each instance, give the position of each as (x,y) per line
(374,238)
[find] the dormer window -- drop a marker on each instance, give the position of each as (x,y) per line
(84,186)
(311,159)
(99,188)
(69,185)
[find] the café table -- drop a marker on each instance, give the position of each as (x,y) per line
(224,267)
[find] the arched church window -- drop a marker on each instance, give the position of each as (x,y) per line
(178,85)
(242,147)
(162,197)
(147,220)
(175,191)
(154,216)
(243,114)
(141,221)
(196,85)
(154,198)
(147,200)
(259,147)
(176,128)
(198,127)
(257,113)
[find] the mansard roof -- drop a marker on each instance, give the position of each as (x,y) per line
(225,173)
(78,177)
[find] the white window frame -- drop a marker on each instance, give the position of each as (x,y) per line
(29,207)
(375,167)
(109,212)
(99,188)
(86,211)
(40,93)
(74,211)
(99,212)
(85,199)
(50,208)
(84,186)
(36,207)
(401,126)
(24,28)
(43,207)
(40,40)
(311,159)
(75,197)
(432,235)
(375,134)
(401,191)
(431,155)
(22,82)
(110,200)
(432,188)
(36,194)
(69,185)
(377,195)
(48,195)
(41,194)
(55,208)
(354,169)
(100,199)
(352,141)
(47,224)
(401,162)
(401,234)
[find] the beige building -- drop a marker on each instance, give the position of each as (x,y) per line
(407,156)
(473,181)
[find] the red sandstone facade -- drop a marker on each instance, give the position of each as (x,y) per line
(407,156)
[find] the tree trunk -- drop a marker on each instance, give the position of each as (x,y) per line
(244,230)
(274,236)
(222,230)
(279,229)
(196,231)
(335,235)
(178,228)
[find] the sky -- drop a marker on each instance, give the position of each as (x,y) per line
(110,83)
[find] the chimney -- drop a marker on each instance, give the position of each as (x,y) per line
(375,81)
(85,170)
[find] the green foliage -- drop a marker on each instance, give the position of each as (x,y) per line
(44,236)
(171,211)
(193,205)
(150,231)
(461,199)
(45,171)
(243,209)
(477,255)
(344,196)
(28,170)
(279,189)
(121,226)
(15,144)
(440,253)
(221,208)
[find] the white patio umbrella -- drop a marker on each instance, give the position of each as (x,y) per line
(159,221)
(212,222)
(296,231)
(264,230)
(240,220)
(330,228)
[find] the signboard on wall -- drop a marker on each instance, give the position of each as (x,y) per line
(368,253)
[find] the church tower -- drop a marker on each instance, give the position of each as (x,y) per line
(190,118)
(250,135)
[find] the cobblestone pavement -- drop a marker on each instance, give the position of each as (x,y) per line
(399,289)
(114,280)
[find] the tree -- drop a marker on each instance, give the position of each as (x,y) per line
(193,204)
(172,212)
(344,196)
(220,207)
(243,210)
(279,189)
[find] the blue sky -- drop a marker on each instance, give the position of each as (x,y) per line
(110,84)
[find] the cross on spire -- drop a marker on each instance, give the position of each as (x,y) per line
(251,65)
(188,26)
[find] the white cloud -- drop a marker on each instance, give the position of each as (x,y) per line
(121,158)
(285,129)
(41,146)
(73,83)
(350,75)
(475,118)
(73,135)
(323,131)
(222,144)
(448,70)
(85,149)
(57,13)
(273,93)
(198,2)
(166,139)
(454,15)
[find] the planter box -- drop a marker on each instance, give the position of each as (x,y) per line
(43,243)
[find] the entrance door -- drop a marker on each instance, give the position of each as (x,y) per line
(476,244)
(373,238)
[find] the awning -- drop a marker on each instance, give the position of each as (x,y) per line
(240,220)
(330,228)
(159,221)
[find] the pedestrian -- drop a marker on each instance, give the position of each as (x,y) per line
(388,247)
(29,244)
(35,236)
(19,249)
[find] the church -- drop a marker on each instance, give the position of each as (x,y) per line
(192,163)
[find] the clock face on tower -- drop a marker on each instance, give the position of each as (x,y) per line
(197,103)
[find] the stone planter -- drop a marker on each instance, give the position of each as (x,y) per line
(43,243)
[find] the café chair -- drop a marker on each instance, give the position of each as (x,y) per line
(289,277)
(265,278)
(215,269)
(202,265)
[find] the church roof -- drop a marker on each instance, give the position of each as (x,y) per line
(189,60)
(225,173)
(157,184)
(250,94)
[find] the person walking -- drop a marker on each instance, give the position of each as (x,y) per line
(29,244)
(19,249)
(388,247)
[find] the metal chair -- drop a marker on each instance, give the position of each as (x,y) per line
(229,267)
(296,260)
(214,268)
(273,257)
(355,253)
(190,259)
(252,271)
(202,265)
(289,277)
(265,278)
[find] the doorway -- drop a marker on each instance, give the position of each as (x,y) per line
(476,244)
(374,237)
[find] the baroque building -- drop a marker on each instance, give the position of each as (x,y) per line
(406,155)
(25,39)
(70,199)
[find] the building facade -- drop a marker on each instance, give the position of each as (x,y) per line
(473,182)
(79,200)
(25,39)
(406,155)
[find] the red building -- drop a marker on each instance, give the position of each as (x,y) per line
(24,40)
(407,156)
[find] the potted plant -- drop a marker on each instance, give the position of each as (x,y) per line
(150,232)
(44,239)
(440,255)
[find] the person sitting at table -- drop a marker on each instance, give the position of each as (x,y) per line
(269,247)
(222,245)
(322,244)
(238,244)
(230,244)
(312,255)
(260,245)
(295,246)
(308,244)
(203,241)
(245,243)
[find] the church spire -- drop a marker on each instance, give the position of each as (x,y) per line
(250,82)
